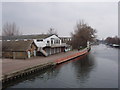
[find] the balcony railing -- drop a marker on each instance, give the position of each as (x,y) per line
(48,44)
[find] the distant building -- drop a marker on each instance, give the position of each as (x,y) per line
(18,49)
(65,40)
(46,44)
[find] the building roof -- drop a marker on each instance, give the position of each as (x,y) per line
(39,36)
(20,45)
(65,37)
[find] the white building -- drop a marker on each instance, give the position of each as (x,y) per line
(49,45)
(46,44)
(47,41)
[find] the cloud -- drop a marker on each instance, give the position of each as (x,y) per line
(34,17)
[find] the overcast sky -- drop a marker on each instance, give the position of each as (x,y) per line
(36,18)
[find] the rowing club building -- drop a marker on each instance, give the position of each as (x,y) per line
(27,46)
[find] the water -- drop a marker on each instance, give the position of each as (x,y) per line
(98,69)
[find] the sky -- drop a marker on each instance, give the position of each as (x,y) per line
(0,18)
(39,17)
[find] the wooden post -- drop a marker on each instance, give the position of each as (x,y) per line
(28,54)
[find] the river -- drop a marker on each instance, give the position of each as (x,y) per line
(97,69)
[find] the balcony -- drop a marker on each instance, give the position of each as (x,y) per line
(48,44)
(56,44)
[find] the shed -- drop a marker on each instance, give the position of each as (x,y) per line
(18,49)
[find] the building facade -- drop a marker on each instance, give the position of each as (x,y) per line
(45,44)
(19,49)
(66,40)
(49,45)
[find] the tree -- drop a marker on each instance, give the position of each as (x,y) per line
(113,40)
(82,34)
(51,31)
(10,29)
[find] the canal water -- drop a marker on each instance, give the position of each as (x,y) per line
(97,69)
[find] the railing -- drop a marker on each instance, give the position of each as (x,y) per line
(43,51)
(48,44)
(52,44)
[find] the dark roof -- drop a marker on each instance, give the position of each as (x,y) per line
(20,45)
(39,36)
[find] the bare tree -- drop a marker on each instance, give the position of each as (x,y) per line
(52,31)
(82,34)
(113,40)
(10,29)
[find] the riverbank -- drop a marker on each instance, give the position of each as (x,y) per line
(17,68)
(96,69)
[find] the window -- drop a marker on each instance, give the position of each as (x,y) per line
(39,40)
(48,42)
(51,41)
(57,41)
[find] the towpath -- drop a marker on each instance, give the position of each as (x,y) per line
(11,65)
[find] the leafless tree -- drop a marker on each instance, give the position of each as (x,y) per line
(52,31)
(113,40)
(82,34)
(10,29)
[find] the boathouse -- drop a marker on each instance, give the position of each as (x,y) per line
(46,44)
(21,49)
(50,44)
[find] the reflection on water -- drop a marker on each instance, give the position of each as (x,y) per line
(83,67)
(97,69)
